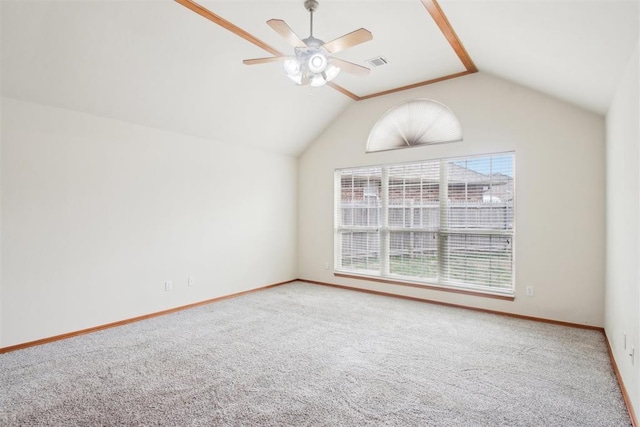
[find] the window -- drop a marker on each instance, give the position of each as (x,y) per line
(447,222)
(414,123)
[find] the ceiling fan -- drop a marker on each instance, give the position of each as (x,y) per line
(312,62)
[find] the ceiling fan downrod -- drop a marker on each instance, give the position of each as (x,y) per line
(311,6)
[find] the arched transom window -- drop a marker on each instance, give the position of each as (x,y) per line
(414,123)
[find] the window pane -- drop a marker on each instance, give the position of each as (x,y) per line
(413,195)
(360,251)
(478,259)
(480,193)
(413,254)
(360,198)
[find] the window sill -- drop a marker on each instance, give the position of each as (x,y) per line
(464,291)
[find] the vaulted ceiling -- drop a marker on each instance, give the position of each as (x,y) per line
(160,64)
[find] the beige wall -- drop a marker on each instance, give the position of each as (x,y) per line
(560,181)
(622,302)
(97,214)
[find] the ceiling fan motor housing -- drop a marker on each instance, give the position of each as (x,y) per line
(314,56)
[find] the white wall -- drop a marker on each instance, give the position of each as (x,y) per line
(560,189)
(97,214)
(622,302)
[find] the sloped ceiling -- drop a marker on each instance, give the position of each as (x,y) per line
(159,64)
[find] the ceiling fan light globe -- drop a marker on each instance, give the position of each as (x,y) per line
(291,66)
(296,78)
(331,72)
(317,63)
(317,80)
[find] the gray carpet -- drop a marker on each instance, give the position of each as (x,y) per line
(303,354)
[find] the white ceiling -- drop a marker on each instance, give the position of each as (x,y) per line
(159,64)
(574,50)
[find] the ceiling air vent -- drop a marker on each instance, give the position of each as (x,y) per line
(378,61)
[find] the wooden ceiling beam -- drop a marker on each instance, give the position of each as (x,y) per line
(344,91)
(449,33)
(217,19)
(414,85)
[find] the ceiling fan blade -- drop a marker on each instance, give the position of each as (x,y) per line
(354,38)
(281,27)
(264,60)
(350,67)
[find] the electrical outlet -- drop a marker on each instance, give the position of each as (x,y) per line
(191,281)
(168,286)
(529,291)
(326,265)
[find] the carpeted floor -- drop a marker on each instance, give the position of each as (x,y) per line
(303,354)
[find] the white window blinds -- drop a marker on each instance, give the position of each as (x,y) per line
(445,222)
(359,218)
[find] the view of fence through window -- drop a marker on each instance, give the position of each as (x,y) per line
(446,222)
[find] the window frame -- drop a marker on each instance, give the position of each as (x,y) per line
(443,234)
